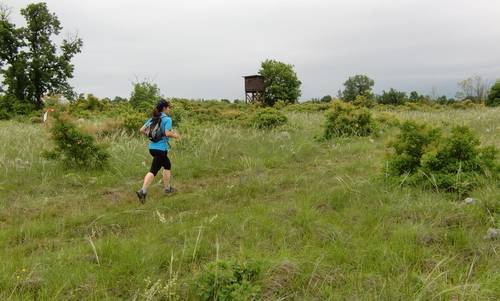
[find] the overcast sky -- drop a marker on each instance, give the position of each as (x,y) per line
(201,48)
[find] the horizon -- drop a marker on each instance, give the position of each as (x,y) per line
(201,49)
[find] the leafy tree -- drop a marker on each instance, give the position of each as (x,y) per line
(494,97)
(119,99)
(30,62)
(281,82)
(445,100)
(326,98)
(392,97)
(416,97)
(357,85)
(145,95)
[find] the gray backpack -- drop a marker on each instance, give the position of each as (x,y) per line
(153,131)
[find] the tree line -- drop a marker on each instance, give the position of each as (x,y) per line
(32,66)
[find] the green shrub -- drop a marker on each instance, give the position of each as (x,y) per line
(450,161)
(5,108)
(228,281)
(10,106)
(464,104)
(308,107)
(280,104)
(409,147)
(345,119)
(387,120)
(493,99)
(457,161)
(133,122)
(178,112)
(83,106)
(75,148)
(196,111)
(364,101)
(268,118)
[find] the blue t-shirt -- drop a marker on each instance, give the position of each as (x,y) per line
(166,125)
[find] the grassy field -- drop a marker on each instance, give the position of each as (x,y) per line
(319,218)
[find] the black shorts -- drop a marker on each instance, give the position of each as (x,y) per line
(160,159)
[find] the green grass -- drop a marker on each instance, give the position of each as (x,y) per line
(318,217)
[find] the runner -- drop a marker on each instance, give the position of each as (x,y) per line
(159,130)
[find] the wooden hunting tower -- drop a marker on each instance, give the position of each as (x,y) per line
(254,88)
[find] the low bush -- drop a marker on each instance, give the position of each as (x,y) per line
(386,120)
(75,148)
(464,104)
(82,107)
(178,114)
(308,107)
(280,104)
(133,122)
(10,106)
(409,147)
(228,281)
(268,118)
(452,161)
(456,162)
(364,101)
(345,119)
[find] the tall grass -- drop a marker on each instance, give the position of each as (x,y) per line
(317,216)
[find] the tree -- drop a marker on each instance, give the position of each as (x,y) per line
(280,81)
(473,88)
(416,97)
(145,95)
(326,98)
(30,62)
(392,97)
(356,86)
(118,99)
(494,95)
